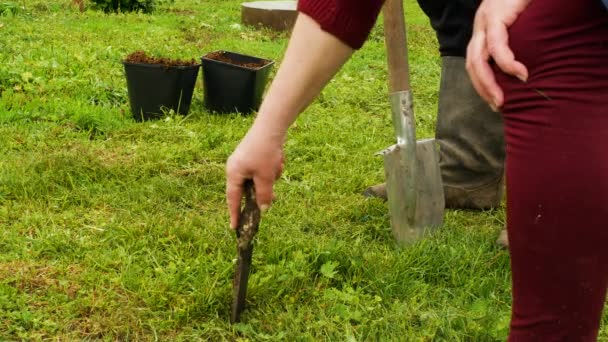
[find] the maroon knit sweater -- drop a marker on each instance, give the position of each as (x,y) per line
(348,20)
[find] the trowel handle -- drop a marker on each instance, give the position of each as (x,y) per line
(249,190)
(396,46)
(249,207)
(249,220)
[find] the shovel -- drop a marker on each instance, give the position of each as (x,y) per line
(249,221)
(413,179)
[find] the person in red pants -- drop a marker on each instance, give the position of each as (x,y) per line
(551,82)
(556,123)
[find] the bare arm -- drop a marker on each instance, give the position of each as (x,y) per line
(312,59)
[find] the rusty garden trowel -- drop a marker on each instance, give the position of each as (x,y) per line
(413,179)
(249,221)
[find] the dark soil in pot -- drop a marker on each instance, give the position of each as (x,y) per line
(140,57)
(223,56)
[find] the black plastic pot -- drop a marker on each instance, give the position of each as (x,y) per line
(155,88)
(230,87)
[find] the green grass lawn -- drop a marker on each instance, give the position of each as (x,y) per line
(117,230)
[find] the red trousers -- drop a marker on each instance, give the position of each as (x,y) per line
(556,131)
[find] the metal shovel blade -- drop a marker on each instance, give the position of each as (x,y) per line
(410,220)
(249,222)
(413,181)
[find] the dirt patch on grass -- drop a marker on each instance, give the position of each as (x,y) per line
(181,11)
(201,36)
(98,155)
(98,311)
(140,57)
(109,313)
(116,157)
(37,278)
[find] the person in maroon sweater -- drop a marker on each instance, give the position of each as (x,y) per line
(543,62)
(555,126)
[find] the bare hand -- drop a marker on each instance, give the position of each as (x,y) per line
(491,40)
(260,157)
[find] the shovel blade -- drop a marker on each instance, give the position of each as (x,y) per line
(239,286)
(249,222)
(412,219)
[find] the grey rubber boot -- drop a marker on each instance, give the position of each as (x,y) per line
(471,143)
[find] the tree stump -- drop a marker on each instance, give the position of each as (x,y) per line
(276,15)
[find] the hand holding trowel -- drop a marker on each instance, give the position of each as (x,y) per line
(249,221)
(413,179)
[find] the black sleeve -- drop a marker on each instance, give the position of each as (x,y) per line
(452,21)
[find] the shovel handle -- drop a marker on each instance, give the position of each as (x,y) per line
(396,46)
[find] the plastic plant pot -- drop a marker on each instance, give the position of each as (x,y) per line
(155,89)
(233,82)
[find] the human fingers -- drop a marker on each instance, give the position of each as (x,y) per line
(485,84)
(480,72)
(263,191)
(234,193)
(498,48)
